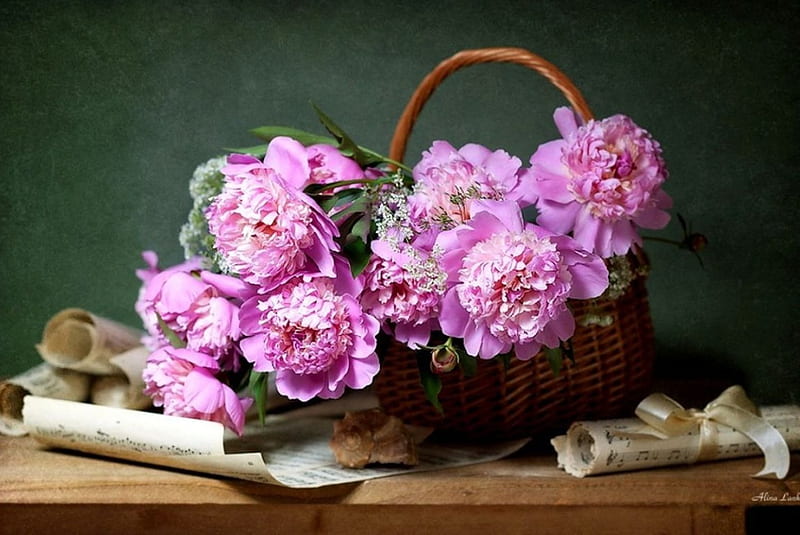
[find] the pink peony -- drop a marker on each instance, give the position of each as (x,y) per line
(601,181)
(184,383)
(202,310)
(266,229)
(448,181)
(313,334)
(510,281)
(403,285)
(326,165)
(153,276)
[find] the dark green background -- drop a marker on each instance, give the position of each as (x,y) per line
(107,107)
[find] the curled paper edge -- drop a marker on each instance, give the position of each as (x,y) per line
(79,340)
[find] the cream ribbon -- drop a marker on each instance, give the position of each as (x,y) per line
(732,408)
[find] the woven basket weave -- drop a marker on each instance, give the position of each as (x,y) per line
(612,365)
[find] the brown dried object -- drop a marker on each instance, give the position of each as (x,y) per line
(11,397)
(372,436)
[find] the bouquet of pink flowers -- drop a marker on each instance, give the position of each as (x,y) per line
(301,255)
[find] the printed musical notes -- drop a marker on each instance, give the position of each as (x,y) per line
(591,448)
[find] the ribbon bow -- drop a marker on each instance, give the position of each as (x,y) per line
(732,408)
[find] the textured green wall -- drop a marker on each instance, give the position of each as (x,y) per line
(107,107)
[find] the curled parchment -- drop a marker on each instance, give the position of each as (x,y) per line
(81,341)
(42,380)
(591,448)
(86,358)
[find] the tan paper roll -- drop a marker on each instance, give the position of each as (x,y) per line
(117,391)
(42,380)
(79,340)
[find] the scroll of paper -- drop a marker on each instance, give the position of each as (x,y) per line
(79,340)
(289,450)
(86,357)
(42,380)
(591,448)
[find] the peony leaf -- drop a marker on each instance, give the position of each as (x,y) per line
(555,358)
(268,133)
(357,253)
(172,337)
(468,364)
(258,151)
(258,388)
(347,146)
(431,383)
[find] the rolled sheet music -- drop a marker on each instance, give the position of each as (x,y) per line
(43,380)
(79,340)
(86,358)
(606,446)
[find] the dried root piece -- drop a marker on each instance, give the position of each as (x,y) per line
(372,436)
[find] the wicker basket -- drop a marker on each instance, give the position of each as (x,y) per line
(612,365)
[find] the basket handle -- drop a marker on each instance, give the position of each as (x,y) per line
(465,58)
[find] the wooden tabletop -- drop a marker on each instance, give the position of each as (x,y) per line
(46,491)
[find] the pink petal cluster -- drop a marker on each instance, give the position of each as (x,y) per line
(600,182)
(510,281)
(151,278)
(314,335)
(266,229)
(200,307)
(448,181)
(402,290)
(327,165)
(185,383)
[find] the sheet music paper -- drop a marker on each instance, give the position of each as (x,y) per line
(604,446)
(289,450)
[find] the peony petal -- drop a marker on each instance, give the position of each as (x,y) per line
(559,328)
(567,121)
(453,319)
(589,278)
(653,218)
(202,391)
(472,339)
(253,352)
(414,336)
(301,387)
(623,235)
(557,217)
(491,346)
(229,286)
(475,154)
(289,159)
(362,372)
(492,217)
(527,350)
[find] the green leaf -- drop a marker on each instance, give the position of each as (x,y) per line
(258,151)
(268,133)
(258,388)
(346,144)
(468,364)
(357,252)
(172,337)
(505,358)
(555,358)
(431,383)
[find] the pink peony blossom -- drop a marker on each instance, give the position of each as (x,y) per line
(184,382)
(151,277)
(601,181)
(448,181)
(510,281)
(403,285)
(326,165)
(201,308)
(313,334)
(266,229)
